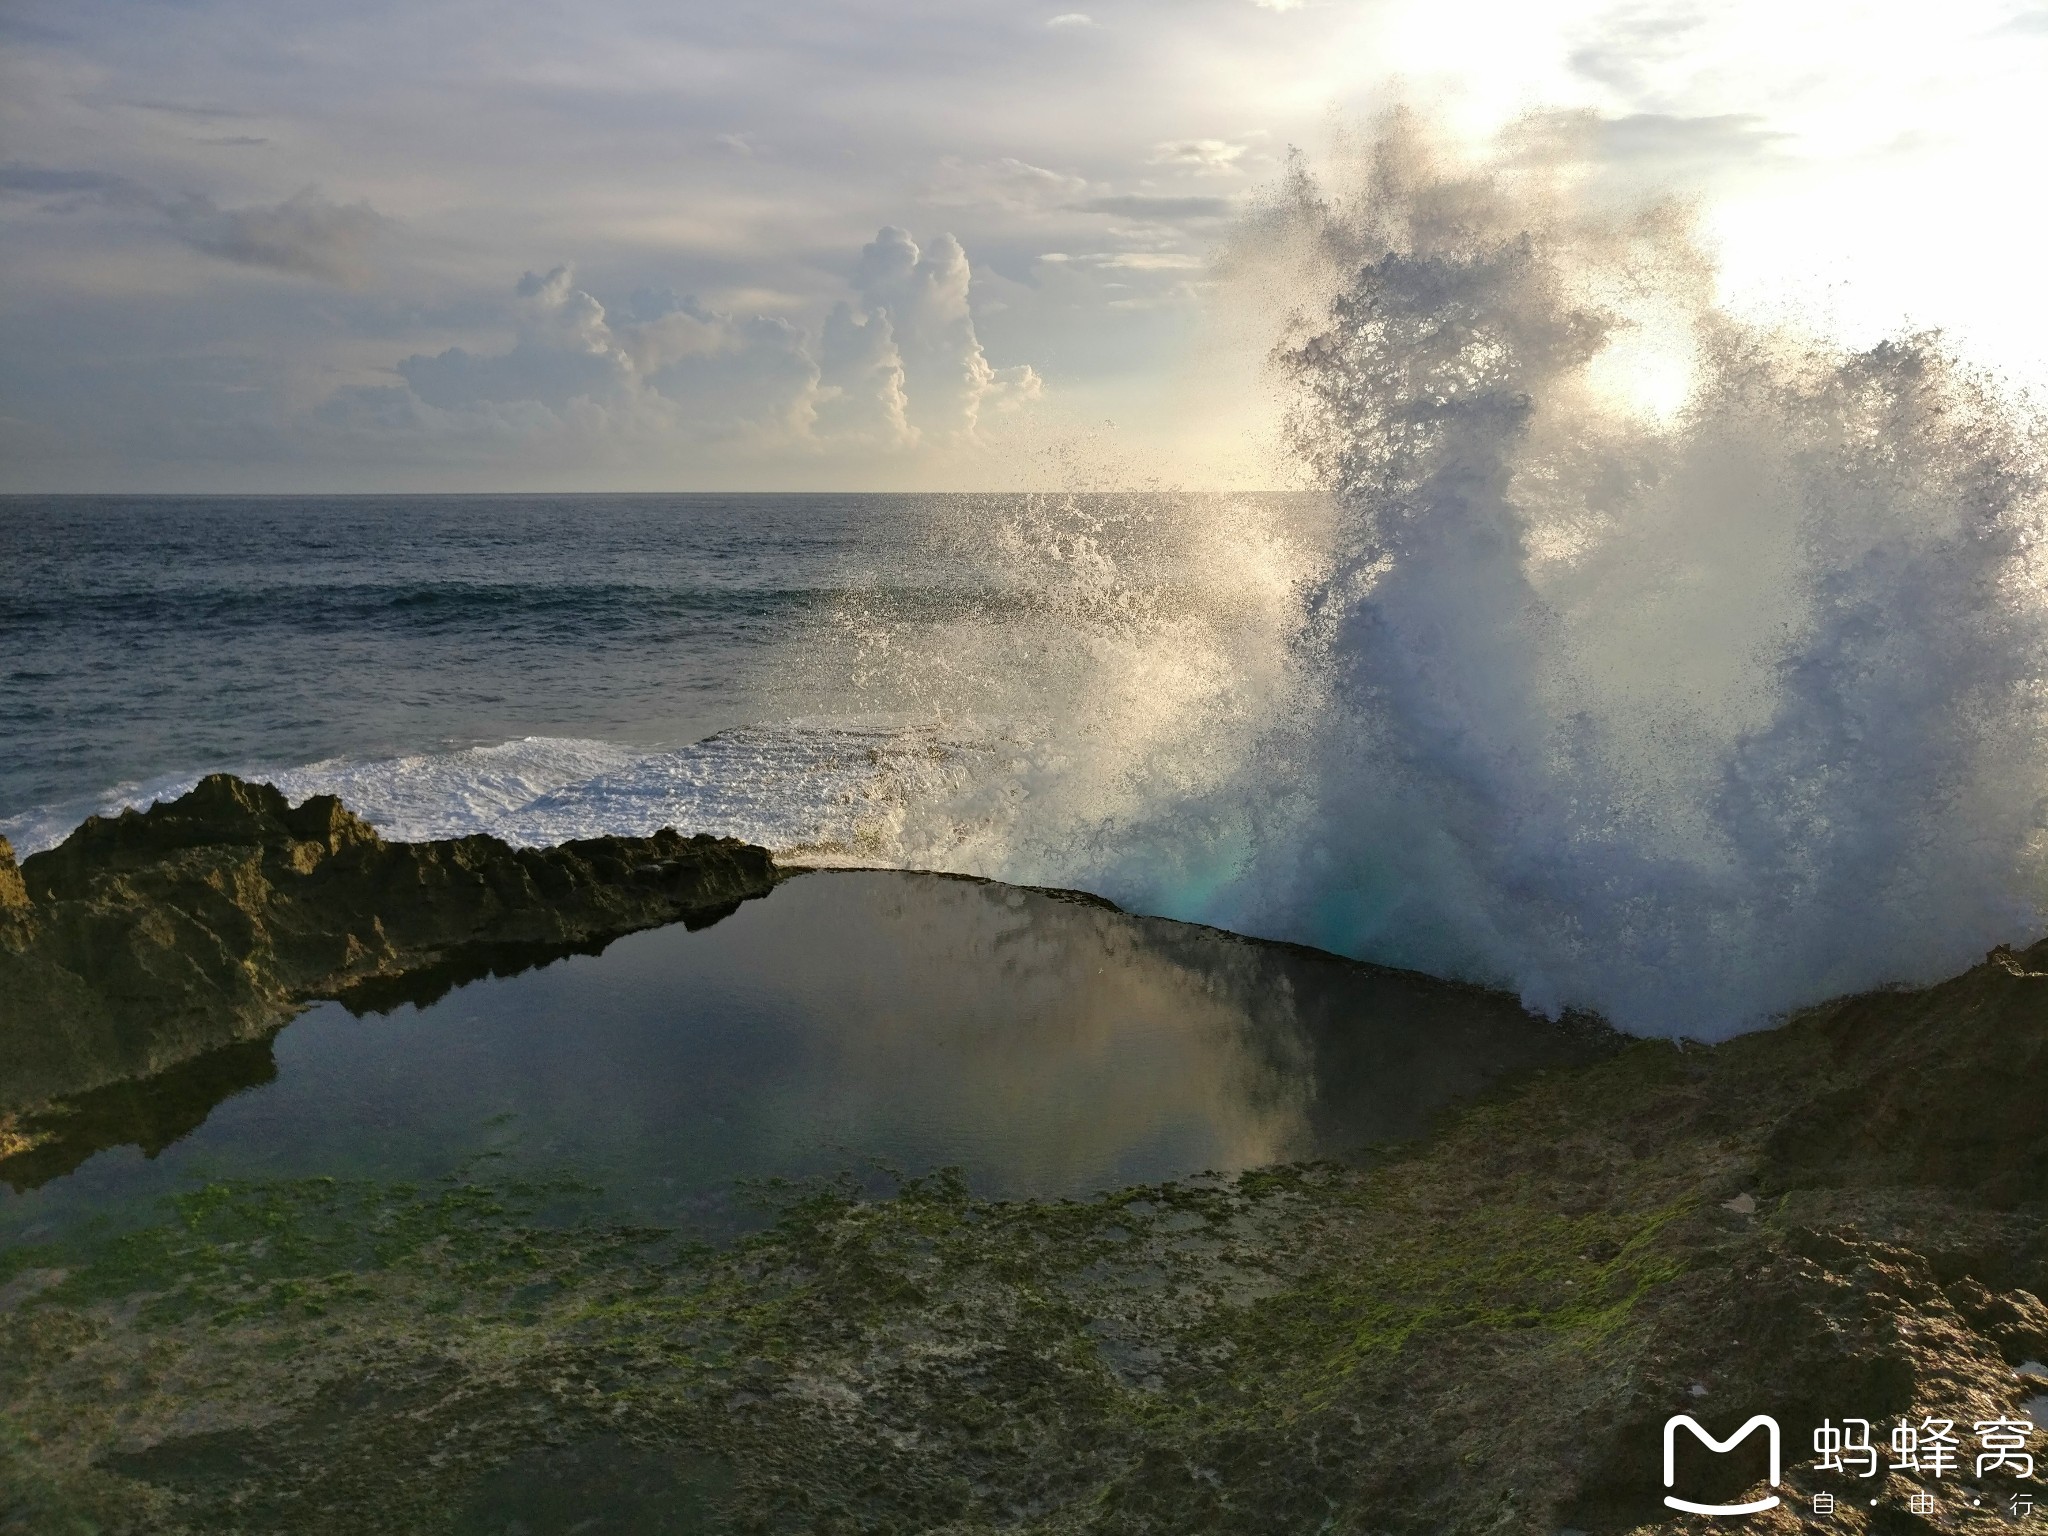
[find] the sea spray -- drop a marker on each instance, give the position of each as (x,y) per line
(1610,647)
(1628,654)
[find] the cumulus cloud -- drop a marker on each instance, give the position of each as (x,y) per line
(727,375)
(305,234)
(896,366)
(924,295)
(862,396)
(564,352)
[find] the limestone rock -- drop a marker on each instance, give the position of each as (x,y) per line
(13,894)
(146,938)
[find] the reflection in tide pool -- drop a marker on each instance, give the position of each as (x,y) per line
(1046,1045)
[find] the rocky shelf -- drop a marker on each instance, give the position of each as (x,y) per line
(1480,1331)
(150,938)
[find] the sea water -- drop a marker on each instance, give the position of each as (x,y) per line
(146,640)
(549,667)
(1607,646)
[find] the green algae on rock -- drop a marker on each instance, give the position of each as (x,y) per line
(1482,1331)
(1479,1332)
(13,893)
(148,938)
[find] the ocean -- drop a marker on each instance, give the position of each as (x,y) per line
(1784,765)
(824,674)
(810,672)
(493,647)
(1685,708)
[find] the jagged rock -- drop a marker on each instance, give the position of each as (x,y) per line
(13,894)
(1483,1331)
(147,938)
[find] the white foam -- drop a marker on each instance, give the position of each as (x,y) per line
(1688,703)
(825,793)
(423,796)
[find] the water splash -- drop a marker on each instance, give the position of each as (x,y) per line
(1637,657)
(1614,649)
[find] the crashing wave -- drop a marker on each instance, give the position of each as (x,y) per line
(1616,649)
(1633,655)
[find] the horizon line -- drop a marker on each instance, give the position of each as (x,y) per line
(1008,491)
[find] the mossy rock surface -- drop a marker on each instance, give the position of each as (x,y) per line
(1483,1331)
(148,939)
(1480,1332)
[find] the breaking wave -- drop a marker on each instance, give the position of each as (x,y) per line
(1627,653)
(1614,649)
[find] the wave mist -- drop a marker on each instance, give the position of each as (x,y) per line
(1620,651)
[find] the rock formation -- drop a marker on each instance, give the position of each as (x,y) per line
(1482,1331)
(148,938)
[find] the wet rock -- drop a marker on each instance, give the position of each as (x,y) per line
(1940,1086)
(1481,1331)
(148,938)
(13,894)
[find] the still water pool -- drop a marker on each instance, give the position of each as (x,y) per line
(1044,1044)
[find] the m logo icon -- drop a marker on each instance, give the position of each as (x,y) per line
(1671,1462)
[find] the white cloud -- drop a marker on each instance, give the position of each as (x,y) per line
(134,361)
(1157,208)
(564,352)
(1200,154)
(1130,261)
(1005,183)
(861,395)
(729,152)
(946,378)
(725,376)
(903,367)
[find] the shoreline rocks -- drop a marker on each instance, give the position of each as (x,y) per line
(1483,1330)
(146,939)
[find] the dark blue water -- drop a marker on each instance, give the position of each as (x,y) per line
(145,637)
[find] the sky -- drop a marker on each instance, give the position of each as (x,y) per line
(271,245)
